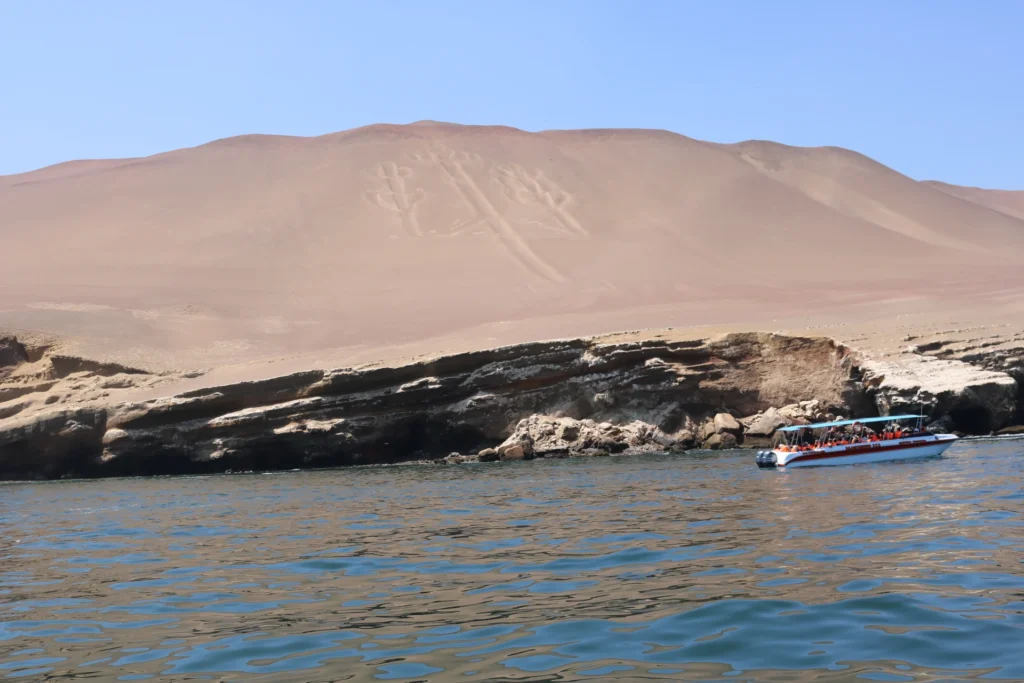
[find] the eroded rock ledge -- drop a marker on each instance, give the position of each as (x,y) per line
(546,399)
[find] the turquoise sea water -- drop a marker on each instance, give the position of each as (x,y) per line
(631,568)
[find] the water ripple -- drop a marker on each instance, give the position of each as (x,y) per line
(681,568)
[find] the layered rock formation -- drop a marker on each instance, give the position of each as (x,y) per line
(623,393)
(1000,356)
(974,399)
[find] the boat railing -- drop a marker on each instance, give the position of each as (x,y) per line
(854,439)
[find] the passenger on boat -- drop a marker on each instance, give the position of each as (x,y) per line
(894,431)
(859,433)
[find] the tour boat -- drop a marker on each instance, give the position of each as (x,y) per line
(847,442)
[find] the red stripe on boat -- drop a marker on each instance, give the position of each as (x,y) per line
(860,449)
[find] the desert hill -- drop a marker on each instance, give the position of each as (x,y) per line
(1006,201)
(257,246)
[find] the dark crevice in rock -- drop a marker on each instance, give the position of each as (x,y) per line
(971,419)
(67,365)
(12,352)
(56,445)
(422,437)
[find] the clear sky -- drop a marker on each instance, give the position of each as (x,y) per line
(932,88)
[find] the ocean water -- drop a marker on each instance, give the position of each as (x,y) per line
(689,567)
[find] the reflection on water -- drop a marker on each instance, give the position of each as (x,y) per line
(675,567)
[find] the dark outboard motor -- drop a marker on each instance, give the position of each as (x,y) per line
(766,459)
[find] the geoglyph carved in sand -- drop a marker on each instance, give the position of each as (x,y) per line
(394,196)
(527,188)
(533,188)
(452,165)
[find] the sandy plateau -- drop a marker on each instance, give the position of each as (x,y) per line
(128,284)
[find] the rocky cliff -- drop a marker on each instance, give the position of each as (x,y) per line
(569,397)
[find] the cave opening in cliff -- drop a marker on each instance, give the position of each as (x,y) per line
(424,437)
(971,420)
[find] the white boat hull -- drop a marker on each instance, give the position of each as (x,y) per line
(852,454)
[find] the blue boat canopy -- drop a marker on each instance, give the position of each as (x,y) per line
(840,423)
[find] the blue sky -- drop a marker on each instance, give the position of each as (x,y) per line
(934,89)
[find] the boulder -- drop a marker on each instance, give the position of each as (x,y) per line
(589,453)
(745,422)
(727,424)
(1006,431)
(607,443)
(533,434)
(569,432)
(681,441)
(720,442)
(766,424)
(707,430)
(112,435)
(488,455)
(808,411)
(557,437)
(511,453)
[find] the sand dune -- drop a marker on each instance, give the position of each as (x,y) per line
(381,236)
(1006,201)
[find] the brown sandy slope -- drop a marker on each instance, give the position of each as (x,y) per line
(1009,202)
(390,239)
